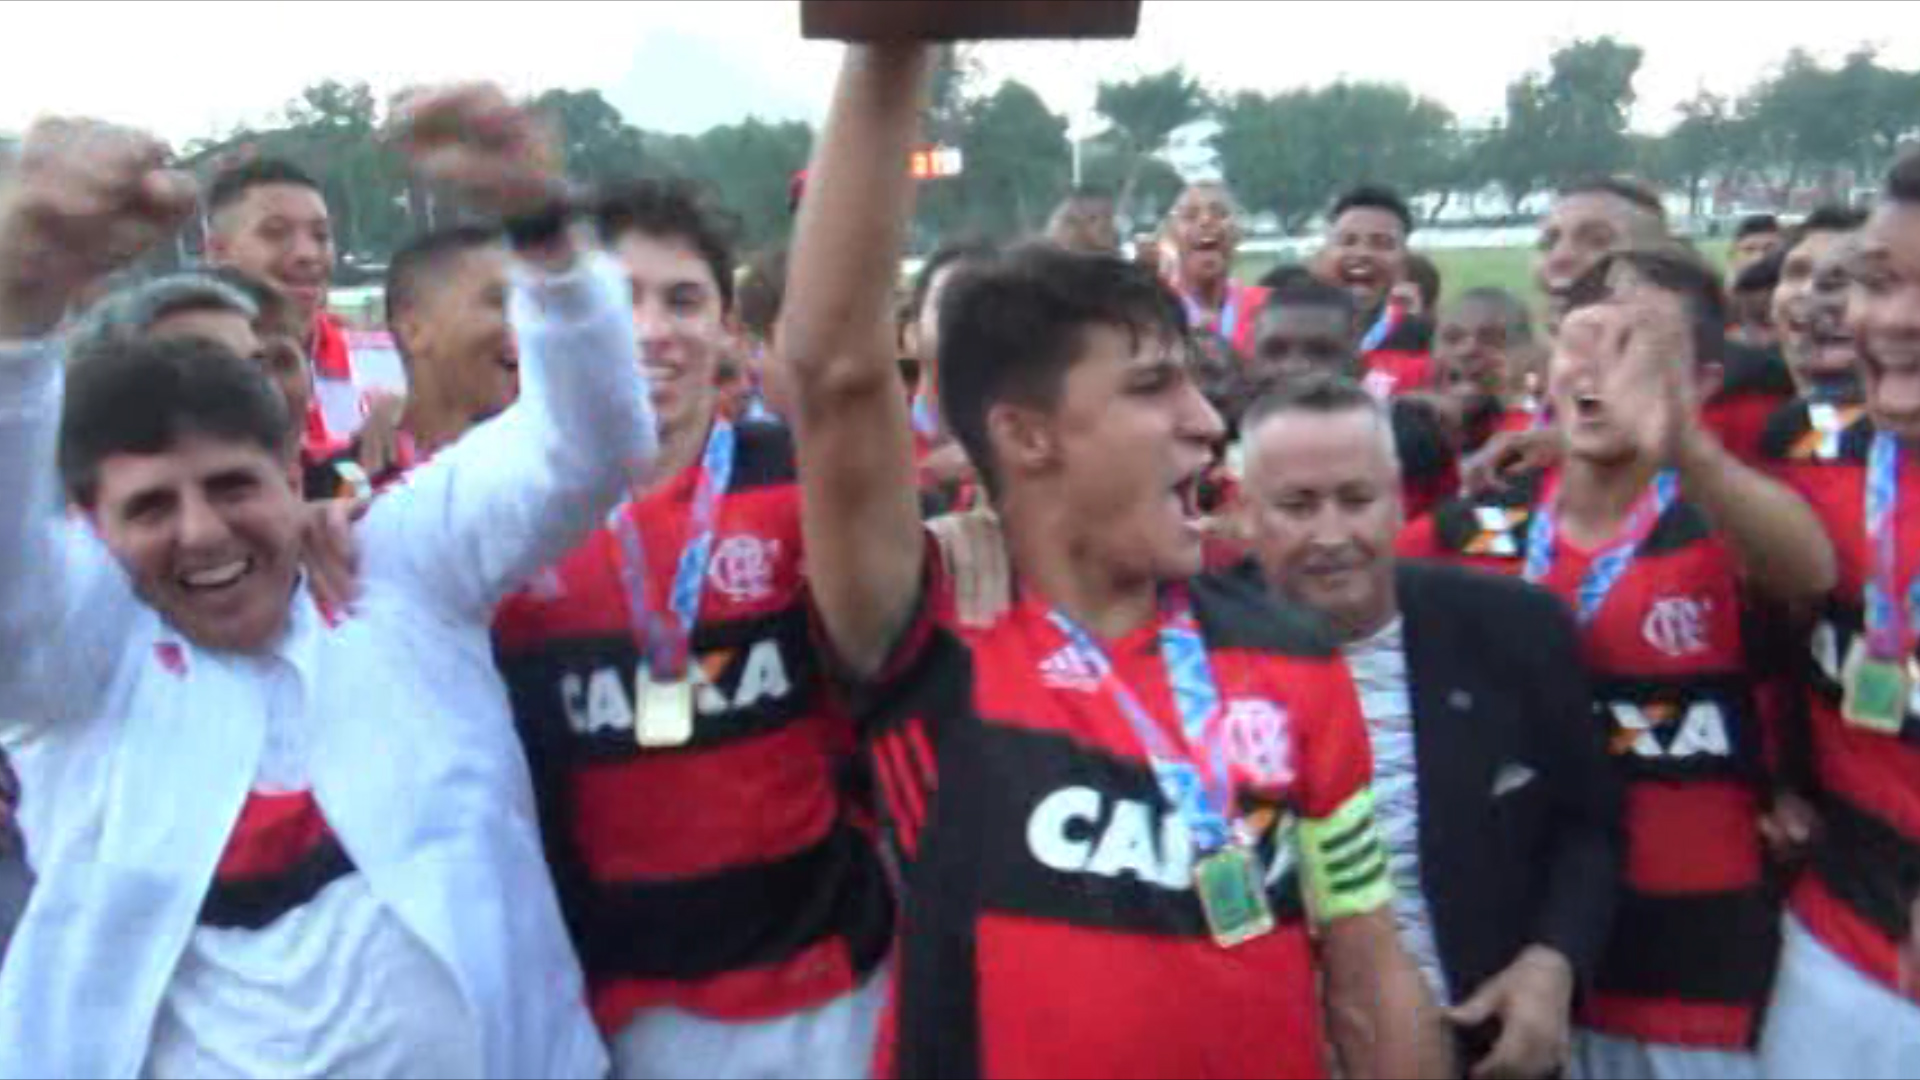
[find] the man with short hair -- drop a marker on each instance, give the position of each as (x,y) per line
(1588,221)
(446,299)
(1756,239)
(1810,307)
(1084,223)
(1366,254)
(1848,999)
(1501,814)
(276,838)
(1099,880)
(1486,363)
(732,912)
(1204,233)
(269,218)
(1658,539)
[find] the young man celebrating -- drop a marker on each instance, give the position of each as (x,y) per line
(1204,227)
(1817,341)
(276,839)
(269,219)
(1656,536)
(1101,801)
(1848,1001)
(1366,254)
(668,663)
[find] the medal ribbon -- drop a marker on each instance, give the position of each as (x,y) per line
(1389,321)
(1611,564)
(1195,778)
(665,638)
(926,419)
(1228,320)
(1889,622)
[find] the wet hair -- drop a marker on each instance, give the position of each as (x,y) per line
(1012,328)
(1632,191)
(1374,197)
(1425,275)
(233,184)
(425,258)
(763,292)
(130,314)
(1903,180)
(1757,225)
(1671,270)
(144,397)
(671,210)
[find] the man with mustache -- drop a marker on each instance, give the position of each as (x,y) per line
(1848,1001)
(1499,807)
(1658,539)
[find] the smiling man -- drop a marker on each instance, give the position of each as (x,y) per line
(1204,227)
(294,840)
(1366,254)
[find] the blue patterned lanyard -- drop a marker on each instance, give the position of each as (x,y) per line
(1889,624)
(926,418)
(1610,565)
(1229,321)
(1389,321)
(665,638)
(1200,791)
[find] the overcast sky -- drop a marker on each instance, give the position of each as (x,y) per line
(188,68)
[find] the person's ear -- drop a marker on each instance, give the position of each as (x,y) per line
(1023,440)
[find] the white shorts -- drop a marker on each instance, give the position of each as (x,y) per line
(1604,1057)
(1829,1020)
(832,1042)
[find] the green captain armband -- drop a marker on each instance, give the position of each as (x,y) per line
(1346,863)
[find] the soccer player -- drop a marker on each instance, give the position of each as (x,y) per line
(729,907)
(1657,539)
(1848,1001)
(1101,801)
(1204,233)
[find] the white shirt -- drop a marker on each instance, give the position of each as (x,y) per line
(137,749)
(1379,666)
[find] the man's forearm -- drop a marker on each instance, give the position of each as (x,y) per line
(1383,1022)
(1780,541)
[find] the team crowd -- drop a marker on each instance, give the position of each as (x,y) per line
(1075,663)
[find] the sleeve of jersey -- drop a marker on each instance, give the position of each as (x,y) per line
(933,609)
(1420,540)
(1341,848)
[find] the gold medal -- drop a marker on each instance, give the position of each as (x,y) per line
(1234,896)
(664,712)
(1878,692)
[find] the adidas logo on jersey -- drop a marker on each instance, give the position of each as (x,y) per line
(1069,670)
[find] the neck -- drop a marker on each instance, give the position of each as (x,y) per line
(1049,558)
(432,427)
(1355,627)
(1209,294)
(681,445)
(1596,498)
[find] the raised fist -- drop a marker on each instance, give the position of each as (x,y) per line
(500,156)
(83,200)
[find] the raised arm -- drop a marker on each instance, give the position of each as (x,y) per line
(517,494)
(83,200)
(861,515)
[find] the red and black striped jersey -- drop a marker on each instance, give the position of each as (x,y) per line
(731,876)
(1050,923)
(1866,868)
(281,855)
(1696,939)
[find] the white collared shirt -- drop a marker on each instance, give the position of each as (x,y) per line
(137,749)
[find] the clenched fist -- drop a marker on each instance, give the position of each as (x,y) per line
(500,156)
(84,199)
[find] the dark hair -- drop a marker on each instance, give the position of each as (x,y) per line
(273,305)
(1317,395)
(1620,187)
(1374,197)
(1425,275)
(428,256)
(966,252)
(1763,276)
(1287,275)
(1830,218)
(1670,270)
(1903,180)
(671,210)
(1757,225)
(763,292)
(233,184)
(1519,318)
(1310,291)
(1012,328)
(143,397)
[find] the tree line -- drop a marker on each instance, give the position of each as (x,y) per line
(1805,131)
